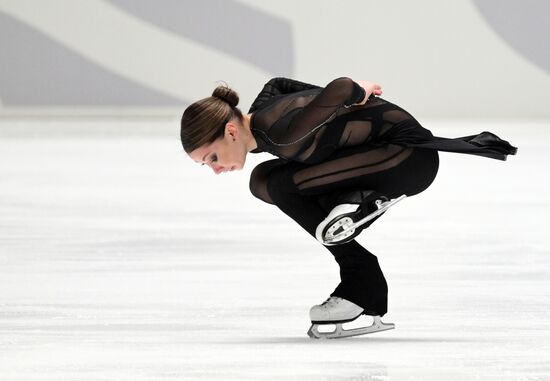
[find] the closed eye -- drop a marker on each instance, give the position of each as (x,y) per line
(213,159)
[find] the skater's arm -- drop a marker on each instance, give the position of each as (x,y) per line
(278,86)
(341,92)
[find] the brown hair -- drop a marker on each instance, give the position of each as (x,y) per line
(203,122)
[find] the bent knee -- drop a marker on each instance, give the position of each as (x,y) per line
(258,181)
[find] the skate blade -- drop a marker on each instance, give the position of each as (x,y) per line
(339,332)
(343,234)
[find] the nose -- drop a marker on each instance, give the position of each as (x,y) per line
(218,170)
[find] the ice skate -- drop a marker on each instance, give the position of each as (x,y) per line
(347,219)
(337,311)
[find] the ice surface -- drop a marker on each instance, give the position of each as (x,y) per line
(122,259)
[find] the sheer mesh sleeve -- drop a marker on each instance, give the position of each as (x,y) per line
(279,86)
(341,92)
(296,126)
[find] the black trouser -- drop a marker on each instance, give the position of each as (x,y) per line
(362,281)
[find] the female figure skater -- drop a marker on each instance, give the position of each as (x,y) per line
(344,154)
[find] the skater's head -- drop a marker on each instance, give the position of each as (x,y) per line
(216,133)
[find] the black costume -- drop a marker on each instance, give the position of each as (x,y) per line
(327,147)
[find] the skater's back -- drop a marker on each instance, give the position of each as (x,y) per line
(307,123)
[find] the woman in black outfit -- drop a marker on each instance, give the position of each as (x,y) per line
(341,146)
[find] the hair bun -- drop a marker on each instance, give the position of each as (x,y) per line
(227,95)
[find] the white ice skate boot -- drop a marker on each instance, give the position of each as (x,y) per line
(355,212)
(336,310)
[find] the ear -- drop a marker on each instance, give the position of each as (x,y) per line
(232,130)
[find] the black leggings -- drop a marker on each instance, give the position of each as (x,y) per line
(278,182)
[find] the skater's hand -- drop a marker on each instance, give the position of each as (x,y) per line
(370,88)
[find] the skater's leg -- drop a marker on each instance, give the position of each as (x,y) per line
(391,170)
(362,280)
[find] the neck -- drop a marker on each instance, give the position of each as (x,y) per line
(250,140)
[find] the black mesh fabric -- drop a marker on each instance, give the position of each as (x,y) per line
(326,147)
(337,140)
(321,128)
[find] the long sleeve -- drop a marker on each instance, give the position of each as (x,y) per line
(308,124)
(278,86)
(341,92)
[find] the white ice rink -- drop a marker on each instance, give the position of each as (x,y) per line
(122,259)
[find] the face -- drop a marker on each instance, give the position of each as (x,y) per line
(225,154)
